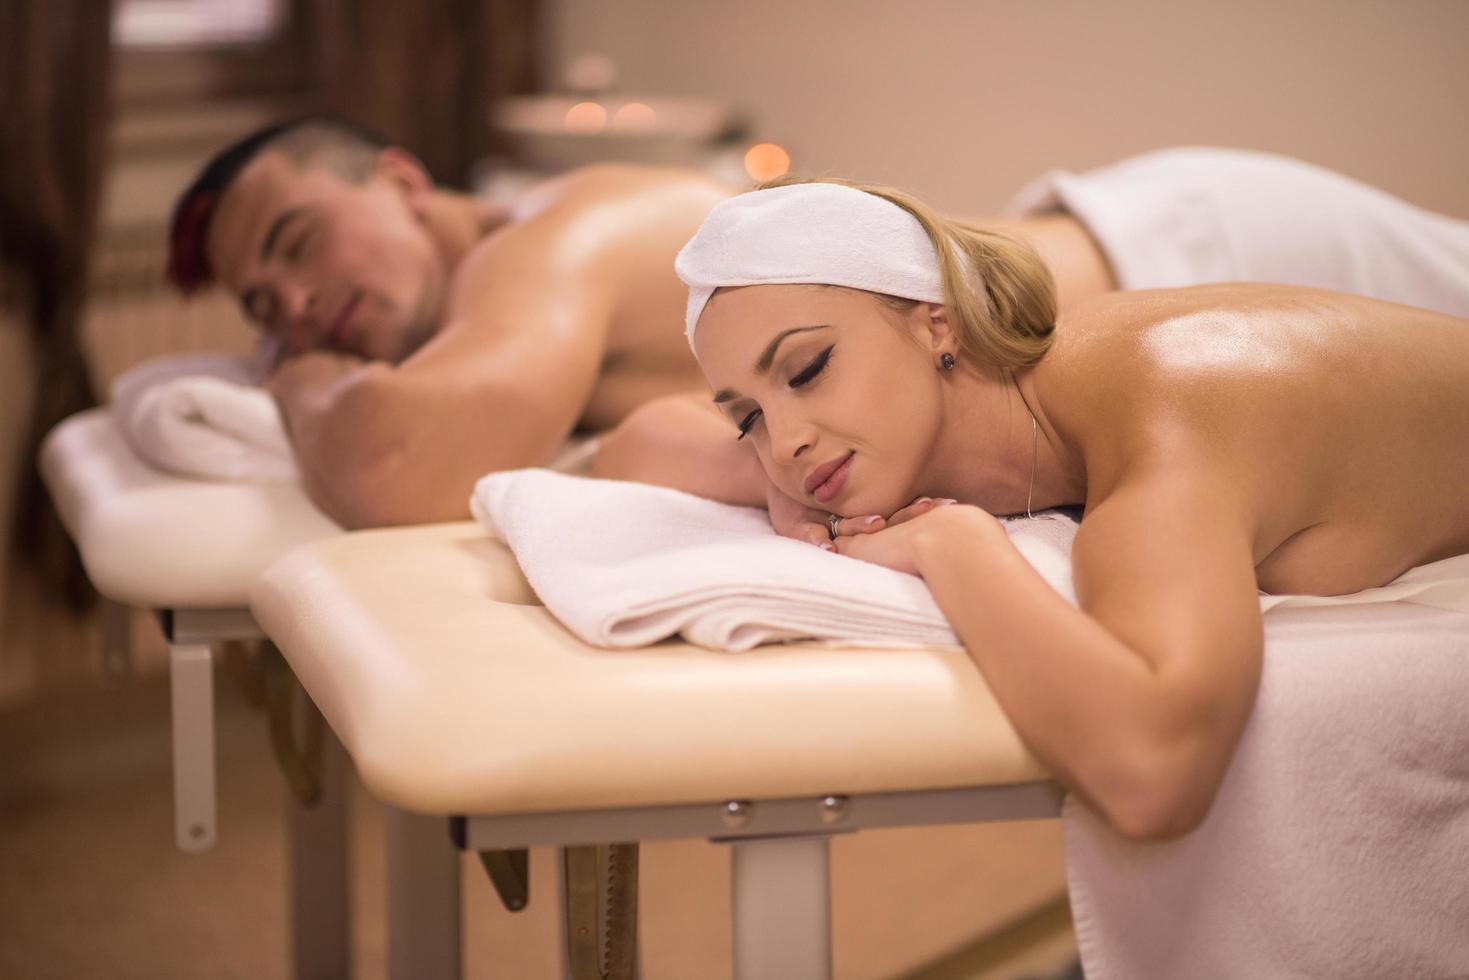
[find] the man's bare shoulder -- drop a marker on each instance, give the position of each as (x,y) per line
(586,235)
(580,222)
(603,180)
(637,195)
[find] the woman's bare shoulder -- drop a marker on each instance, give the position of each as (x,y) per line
(1177,369)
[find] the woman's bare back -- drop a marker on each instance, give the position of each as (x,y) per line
(1343,422)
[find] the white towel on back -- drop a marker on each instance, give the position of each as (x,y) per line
(1193,215)
(204,416)
(627,565)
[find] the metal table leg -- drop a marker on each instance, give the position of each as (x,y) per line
(321,946)
(192,690)
(782,908)
(423,898)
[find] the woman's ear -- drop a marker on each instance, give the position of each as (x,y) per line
(933,329)
(407,176)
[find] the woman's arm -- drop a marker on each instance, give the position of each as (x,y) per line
(681,442)
(1137,700)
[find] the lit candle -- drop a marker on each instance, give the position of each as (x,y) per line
(585,117)
(766,161)
(635,115)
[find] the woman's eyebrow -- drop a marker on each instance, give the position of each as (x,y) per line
(767,358)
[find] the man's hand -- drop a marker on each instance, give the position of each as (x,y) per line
(305,382)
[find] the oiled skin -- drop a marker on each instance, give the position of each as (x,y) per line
(1343,421)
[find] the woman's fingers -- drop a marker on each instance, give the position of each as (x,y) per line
(850,526)
(794,520)
(918,508)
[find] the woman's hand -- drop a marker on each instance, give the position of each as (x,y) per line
(899,543)
(793,519)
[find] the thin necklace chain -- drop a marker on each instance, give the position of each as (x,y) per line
(1035,434)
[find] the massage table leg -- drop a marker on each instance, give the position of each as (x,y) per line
(191,676)
(320,923)
(782,908)
(189,633)
(423,898)
(117,639)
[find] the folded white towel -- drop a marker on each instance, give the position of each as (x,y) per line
(204,416)
(627,564)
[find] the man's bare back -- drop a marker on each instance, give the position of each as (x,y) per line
(610,233)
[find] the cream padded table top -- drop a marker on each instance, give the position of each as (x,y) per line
(156,540)
(456,693)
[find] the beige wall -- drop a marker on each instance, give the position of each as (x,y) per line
(962,101)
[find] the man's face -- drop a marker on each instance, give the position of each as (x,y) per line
(323,263)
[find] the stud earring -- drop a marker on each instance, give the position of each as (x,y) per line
(947,360)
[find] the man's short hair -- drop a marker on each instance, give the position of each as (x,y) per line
(347,149)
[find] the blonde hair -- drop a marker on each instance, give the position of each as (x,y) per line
(1011,324)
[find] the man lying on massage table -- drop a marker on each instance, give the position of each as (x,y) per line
(431,337)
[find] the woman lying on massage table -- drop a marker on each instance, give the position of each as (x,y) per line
(907,376)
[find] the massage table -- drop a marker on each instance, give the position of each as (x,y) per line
(483,724)
(189,550)
(192,550)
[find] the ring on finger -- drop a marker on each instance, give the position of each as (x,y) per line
(832,523)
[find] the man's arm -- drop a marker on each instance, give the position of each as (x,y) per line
(499,387)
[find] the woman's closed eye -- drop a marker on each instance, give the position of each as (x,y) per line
(746,423)
(806,375)
(815,367)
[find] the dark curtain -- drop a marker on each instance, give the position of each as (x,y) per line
(423,74)
(55,65)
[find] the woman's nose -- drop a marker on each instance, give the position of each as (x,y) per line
(790,438)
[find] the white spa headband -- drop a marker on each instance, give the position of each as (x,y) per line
(809,233)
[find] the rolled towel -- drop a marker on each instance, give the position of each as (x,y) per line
(204,416)
(627,565)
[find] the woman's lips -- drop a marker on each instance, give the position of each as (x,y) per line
(828,481)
